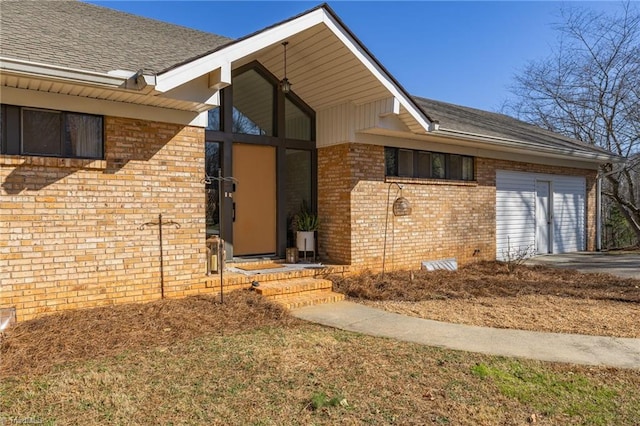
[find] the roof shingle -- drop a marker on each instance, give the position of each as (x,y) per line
(470,120)
(84,36)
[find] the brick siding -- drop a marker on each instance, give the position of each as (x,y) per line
(449,219)
(72,231)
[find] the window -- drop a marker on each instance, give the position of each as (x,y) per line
(253,104)
(297,122)
(33,131)
(429,165)
(214,122)
(213,163)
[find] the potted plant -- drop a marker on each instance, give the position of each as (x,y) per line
(305,223)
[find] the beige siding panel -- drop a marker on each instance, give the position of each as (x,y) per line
(335,125)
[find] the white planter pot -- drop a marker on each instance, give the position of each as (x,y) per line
(307,237)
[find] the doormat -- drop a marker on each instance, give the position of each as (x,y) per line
(259,266)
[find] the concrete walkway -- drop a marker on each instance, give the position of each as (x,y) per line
(625,265)
(570,348)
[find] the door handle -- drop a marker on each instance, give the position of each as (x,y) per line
(233,215)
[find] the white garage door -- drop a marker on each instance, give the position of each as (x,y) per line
(539,212)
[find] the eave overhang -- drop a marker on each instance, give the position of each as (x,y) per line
(327,65)
(490,143)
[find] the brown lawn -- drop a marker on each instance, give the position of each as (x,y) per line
(195,361)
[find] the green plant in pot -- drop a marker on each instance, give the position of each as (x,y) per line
(305,223)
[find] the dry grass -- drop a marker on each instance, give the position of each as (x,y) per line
(194,361)
(36,346)
(534,298)
(275,376)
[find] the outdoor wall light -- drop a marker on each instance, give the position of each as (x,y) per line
(285,85)
(401,207)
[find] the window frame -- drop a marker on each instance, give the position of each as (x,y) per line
(13,128)
(416,172)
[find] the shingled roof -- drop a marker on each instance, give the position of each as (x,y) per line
(461,119)
(84,36)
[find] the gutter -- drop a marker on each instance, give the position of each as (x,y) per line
(518,144)
(113,80)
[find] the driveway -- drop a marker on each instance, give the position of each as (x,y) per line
(622,264)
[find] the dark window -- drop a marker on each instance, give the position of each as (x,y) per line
(438,164)
(297,123)
(213,163)
(405,163)
(32,131)
(253,104)
(455,167)
(214,122)
(424,164)
(467,168)
(83,135)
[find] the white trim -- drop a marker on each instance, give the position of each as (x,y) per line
(495,143)
(220,77)
(238,50)
(243,48)
(56,101)
(530,145)
(475,149)
(376,70)
(116,79)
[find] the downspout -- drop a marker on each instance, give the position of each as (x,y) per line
(598,212)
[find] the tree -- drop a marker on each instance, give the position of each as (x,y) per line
(589,89)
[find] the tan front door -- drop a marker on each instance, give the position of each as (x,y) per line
(254,227)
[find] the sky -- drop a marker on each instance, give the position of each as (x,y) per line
(465,53)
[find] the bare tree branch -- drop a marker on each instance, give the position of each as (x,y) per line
(589,89)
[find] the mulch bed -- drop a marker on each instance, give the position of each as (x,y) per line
(36,346)
(487,279)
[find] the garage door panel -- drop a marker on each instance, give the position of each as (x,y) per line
(516,211)
(569,214)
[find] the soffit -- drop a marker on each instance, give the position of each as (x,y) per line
(323,71)
(90,91)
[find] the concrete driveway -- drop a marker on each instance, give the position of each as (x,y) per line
(622,264)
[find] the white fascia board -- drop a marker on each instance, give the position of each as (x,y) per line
(392,107)
(472,149)
(197,91)
(236,51)
(226,56)
(489,145)
(376,70)
(33,98)
(26,68)
(529,146)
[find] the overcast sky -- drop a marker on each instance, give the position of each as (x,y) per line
(460,52)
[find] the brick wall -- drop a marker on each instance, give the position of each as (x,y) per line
(449,219)
(72,232)
(334,203)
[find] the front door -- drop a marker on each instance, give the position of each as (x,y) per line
(254,216)
(543,217)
